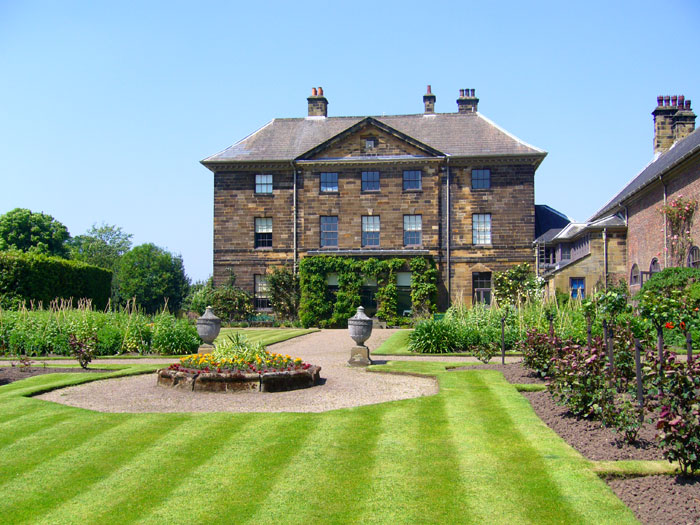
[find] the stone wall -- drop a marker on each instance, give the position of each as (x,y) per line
(592,266)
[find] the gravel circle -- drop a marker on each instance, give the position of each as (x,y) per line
(341,386)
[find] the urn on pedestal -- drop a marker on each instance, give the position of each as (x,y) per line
(208,328)
(360,328)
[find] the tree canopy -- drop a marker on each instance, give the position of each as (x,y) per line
(151,275)
(102,246)
(23,230)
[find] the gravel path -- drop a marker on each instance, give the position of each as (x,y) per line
(341,387)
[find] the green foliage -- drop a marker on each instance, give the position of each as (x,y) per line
(671,278)
(173,336)
(675,401)
(82,350)
(199,296)
(283,289)
(433,337)
(680,216)
(23,230)
(152,276)
(43,332)
(538,352)
(423,286)
(101,246)
(517,285)
(318,307)
(231,303)
(237,346)
(39,278)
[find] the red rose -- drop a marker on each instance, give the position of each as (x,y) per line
(669,325)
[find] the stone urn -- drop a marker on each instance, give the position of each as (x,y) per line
(208,328)
(360,327)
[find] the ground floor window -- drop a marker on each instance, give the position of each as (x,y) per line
(654,267)
(578,287)
(634,275)
(261,299)
(481,285)
(694,257)
(403,294)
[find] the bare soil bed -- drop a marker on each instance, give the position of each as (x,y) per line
(656,500)
(10,374)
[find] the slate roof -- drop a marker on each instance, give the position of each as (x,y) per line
(548,219)
(454,134)
(682,149)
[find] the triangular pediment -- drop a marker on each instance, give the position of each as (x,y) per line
(368,139)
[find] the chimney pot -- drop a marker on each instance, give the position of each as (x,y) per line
(660,100)
(687,104)
(473,92)
(429,90)
(681,101)
(318,104)
(313,92)
(667,100)
(320,92)
(674,99)
(461,93)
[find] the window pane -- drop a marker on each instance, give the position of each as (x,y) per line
(263,232)
(329,182)
(370,181)
(370,230)
(412,180)
(329,231)
(261,292)
(481,179)
(694,257)
(578,287)
(263,225)
(481,285)
(263,184)
(481,228)
(412,229)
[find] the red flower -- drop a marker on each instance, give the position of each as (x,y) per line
(682,325)
(669,325)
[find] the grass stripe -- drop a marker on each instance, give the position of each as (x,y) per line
(328,477)
(159,469)
(34,492)
(238,474)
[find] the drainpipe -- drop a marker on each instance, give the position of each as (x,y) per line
(605,258)
(665,232)
(449,213)
(294,216)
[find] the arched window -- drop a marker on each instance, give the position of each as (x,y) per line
(654,267)
(694,257)
(634,275)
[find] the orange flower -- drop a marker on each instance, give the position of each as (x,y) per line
(669,325)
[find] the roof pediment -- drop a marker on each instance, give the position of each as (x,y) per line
(368,139)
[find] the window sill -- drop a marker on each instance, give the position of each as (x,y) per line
(370,191)
(482,245)
(479,190)
(329,193)
(413,191)
(264,194)
(264,248)
(413,246)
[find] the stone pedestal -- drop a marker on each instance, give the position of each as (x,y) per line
(205,349)
(359,356)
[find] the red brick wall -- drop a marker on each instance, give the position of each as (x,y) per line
(645,239)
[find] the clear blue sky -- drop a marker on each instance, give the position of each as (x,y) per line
(106,108)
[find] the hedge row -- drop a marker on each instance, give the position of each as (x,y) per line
(33,277)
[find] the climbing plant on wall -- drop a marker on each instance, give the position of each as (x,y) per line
(680,215)
(318,307)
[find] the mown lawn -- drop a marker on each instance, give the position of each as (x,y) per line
(266,336)
(475,453)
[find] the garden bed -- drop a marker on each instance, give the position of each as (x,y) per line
(653,499)
(277,381)
(11,374)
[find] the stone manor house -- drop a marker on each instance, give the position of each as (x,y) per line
(452,186)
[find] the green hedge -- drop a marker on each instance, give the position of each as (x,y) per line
(34,277)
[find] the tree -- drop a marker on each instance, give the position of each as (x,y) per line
(102,246)
(152,275)
(284,292)
(20,229)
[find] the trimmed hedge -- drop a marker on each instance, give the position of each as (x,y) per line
(34,277)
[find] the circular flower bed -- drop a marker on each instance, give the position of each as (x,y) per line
(224,371)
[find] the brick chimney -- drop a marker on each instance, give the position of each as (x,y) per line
(684,120)
(318,104)
(467,101)
(673,120)
(429,101)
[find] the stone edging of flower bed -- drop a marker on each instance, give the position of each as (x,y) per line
(224,382)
